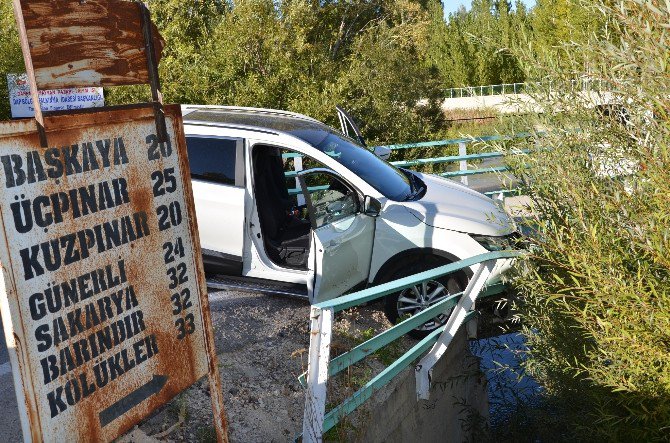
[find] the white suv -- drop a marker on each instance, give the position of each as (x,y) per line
(288,205)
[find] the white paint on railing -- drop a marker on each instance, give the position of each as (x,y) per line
(297,166)
(317,374)
(425,366)
(463,164)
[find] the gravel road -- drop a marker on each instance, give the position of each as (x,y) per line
(10,427)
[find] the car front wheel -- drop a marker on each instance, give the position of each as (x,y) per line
(412,300)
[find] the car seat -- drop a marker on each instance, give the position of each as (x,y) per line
(286,237)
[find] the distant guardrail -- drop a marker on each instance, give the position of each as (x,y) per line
(585,84)
(475,91)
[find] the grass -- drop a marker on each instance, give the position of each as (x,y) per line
(357,375)
(388,354)
(178,408)
(206,434)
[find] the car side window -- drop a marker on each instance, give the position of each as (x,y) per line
(331,199)
(293,162)
(212,159)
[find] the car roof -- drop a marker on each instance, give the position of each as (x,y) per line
(306,128)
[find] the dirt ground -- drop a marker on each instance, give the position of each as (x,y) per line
(262,343)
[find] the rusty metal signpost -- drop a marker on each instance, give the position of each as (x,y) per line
(102,295)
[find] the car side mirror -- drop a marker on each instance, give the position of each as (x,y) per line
(372,206)
(382,152)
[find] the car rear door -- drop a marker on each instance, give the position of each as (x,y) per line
(217,176)
(342,236)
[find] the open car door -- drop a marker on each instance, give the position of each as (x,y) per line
(342,233)
(346,122)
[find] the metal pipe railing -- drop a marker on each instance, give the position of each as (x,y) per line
(315,420)
(583,84)
(463,171)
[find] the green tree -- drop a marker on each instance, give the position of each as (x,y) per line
(300,55)
(561,26)
(476,46)
(11,60)
(388,73)
(309,56)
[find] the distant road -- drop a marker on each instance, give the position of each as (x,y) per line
(10,426)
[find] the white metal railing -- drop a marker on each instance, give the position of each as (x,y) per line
(584,84)
(475,91)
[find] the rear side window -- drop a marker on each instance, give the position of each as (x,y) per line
(212,159)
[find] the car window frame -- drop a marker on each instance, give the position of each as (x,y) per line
(308,198)
(239,180)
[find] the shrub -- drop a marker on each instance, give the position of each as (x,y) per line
(596,286)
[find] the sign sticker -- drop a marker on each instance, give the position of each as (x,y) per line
(67,99)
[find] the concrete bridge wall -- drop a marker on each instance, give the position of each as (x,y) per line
(505,104)
(457,395)
(515,103)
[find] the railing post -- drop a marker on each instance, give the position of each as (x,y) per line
(297,166)
(424,368)
(463,164)
(472,325)
(321,323)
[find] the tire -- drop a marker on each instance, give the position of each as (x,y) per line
(413,300)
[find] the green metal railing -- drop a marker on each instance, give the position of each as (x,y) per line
(316,421)
(457,141)
(463,172)
(462,157)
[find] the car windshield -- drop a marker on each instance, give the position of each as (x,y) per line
(385,178)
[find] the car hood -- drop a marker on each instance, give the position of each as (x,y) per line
(450,205)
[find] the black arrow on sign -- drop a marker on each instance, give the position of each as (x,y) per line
(133,399)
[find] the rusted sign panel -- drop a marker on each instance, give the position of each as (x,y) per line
(87,43)
(105,308)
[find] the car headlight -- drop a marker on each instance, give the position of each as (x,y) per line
(498,243)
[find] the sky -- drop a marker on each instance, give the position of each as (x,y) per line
(453,5)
